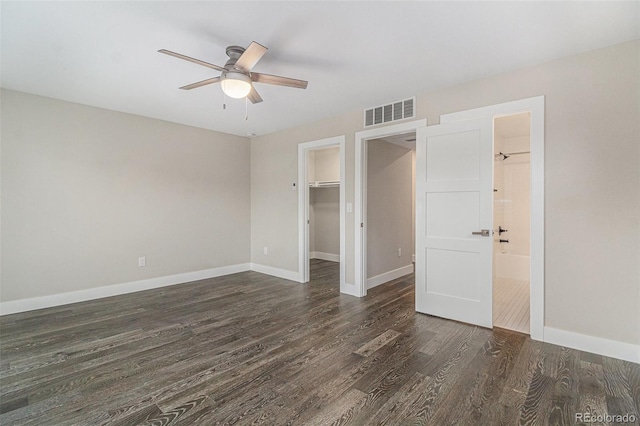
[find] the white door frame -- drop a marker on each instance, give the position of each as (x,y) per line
(360,207)
(303,206)
(535,106)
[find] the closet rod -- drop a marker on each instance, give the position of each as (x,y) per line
(505,156)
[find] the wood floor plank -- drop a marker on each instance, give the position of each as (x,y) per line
(592,389)
(478,392)
(249,348)
(341,410)
(375,344)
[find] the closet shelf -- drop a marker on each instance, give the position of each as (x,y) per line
(324,184)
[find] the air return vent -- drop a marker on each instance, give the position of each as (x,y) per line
(394,111)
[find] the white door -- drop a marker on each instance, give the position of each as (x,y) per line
(454,204)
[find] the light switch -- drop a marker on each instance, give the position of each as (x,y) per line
(349,208)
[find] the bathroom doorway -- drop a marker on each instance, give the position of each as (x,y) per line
(512,222)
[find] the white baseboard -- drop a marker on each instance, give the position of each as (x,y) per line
(596,345)
(324,256)
(388,276)
(23,305)
(276,272)
(349,289)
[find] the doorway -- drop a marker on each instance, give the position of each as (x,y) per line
(511,221)
(321,184)
(360,206)
(323,225)
(390,207)
(485,116)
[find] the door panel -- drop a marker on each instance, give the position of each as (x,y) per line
(461,152)
(454,174)
(447,279)
(450,214)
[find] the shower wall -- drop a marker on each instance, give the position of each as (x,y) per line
(512,208)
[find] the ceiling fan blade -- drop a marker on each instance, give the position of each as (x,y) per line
(190,59)
(250,57)
(253,96)
(201,83)
(278,81)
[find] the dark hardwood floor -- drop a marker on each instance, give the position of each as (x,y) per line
(249,348)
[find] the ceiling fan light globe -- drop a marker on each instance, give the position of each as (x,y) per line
(236,85)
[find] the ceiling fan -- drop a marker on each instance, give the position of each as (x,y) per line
(236,77)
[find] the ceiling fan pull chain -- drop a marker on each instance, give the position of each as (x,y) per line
(246,109)
(224,100)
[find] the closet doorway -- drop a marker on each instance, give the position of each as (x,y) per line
(321,207)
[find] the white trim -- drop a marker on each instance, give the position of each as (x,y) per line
(324,256)
(275,272)
(349,289)
(23,305)
(535,106)
(303,208)
(385,277)
(596,345)
(360,211)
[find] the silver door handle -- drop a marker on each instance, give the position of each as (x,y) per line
(484,233)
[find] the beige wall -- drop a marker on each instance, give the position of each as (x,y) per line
(86,191)
(325,220)
(389,207)
(274,206)
(327,164)
(592,182)
(592,187)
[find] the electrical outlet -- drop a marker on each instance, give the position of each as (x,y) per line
(266,250)
(399,252)
(142,261)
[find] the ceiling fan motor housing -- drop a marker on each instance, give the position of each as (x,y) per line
(234,52)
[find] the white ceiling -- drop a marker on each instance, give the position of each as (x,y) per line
(354,54)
